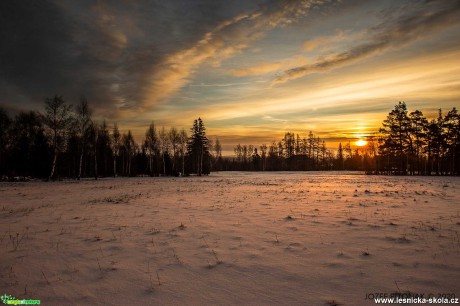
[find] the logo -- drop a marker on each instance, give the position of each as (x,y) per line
(11,300)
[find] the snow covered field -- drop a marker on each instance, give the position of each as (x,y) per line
(230,238)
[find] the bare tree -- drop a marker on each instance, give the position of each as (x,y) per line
(115,144)
(129,146)
(58,120)
(183,143)
(5,125)
(263,149)
(93,135)
(151,145)
(217,148)
(83,122)
(164,146)
(238,152)
(174,138)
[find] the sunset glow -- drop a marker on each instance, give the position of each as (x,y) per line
(361,143)
(252,70)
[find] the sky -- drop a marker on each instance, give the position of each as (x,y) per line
(252,70)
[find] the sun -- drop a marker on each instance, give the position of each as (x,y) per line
(361,143)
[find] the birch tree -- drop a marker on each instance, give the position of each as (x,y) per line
(129,146)
(164,146)
(93,135)
(58,119)
(83,122)
(115,145)
(174,139)
(151,145)
(183,143)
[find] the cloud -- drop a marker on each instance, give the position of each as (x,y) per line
(51,48)
(312,44)
(219,85)
(128,55)
(264,68)
(321,42)
(270,118)
(423,20)
(255,70)
(225,40)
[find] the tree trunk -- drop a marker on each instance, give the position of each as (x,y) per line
(79,167)
(53,167)
(123,167)
(183,162)
(174,162)
(150,165)
(201,159)
(95,165)
(164,165)
(114,166)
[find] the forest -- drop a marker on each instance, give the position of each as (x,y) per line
(66,142)
(406,144)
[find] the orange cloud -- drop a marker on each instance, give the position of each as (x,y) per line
(227,39)
(255,70)
(326,41)
(395,33)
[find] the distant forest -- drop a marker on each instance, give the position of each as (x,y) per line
(65,142)
(407,144)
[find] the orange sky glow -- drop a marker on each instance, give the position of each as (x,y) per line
(251,70)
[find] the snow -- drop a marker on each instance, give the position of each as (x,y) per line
(312,238)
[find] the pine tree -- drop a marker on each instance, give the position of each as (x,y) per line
(256,160)
(198,155)
(104,150)
(340,159)
(129,146)
(395,140)
(418,131)
(436,144)
(452,124)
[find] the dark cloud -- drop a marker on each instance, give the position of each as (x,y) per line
(421,20)
(25,58)
(229,37)
(125,55)
(105,50)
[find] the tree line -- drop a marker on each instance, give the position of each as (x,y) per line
(65,141)
(296,153)
(407,144)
